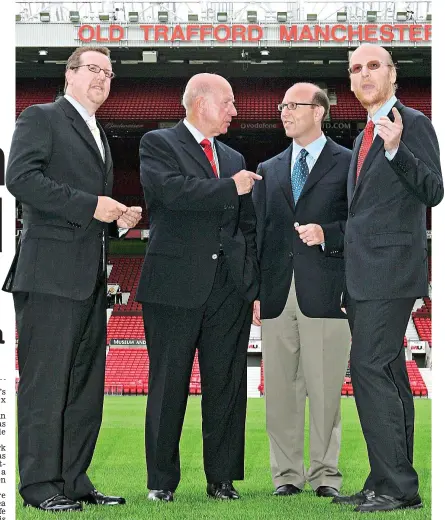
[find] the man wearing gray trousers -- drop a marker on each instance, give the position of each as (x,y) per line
(301,210)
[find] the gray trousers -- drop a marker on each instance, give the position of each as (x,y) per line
(304,356)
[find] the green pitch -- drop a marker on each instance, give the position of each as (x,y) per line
(119,468)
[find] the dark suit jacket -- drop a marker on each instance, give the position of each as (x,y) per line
(385,239)
(319,275)
(191,214)
(56,171)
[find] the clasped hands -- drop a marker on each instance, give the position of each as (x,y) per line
(108,210)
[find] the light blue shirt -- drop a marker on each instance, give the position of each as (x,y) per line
(199,137)
(383,111)
(313,149)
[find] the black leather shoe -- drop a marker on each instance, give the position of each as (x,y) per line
(286,490)
(326,491)
(160,494)
(57,504)
(223,490)
(99,499)
(353,500)
(387,503)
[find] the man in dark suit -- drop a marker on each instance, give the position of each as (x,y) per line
(197,285)
(395,173)
(301,209)
(60,169)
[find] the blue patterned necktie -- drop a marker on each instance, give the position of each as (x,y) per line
(299,174)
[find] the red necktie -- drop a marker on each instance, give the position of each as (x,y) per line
(207,147)
(368,136)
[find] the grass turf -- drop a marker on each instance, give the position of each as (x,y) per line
(119,468)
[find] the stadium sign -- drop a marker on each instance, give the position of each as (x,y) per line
(221,33)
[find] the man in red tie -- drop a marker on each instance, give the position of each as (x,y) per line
(394,175)
(197,287)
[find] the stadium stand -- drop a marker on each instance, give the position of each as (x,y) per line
(160,99)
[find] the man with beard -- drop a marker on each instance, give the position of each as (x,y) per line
(395,173)
(60,169)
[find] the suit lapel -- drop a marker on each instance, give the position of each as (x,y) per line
(352,174)
(81,128)
(223,161)
(282,172)
(108,160)
(325,162)
(193,149)
(376,148)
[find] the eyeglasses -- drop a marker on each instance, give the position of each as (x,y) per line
(371,65)
(95,68)
(292,106)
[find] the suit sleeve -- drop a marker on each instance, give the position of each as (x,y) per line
(417,161)
(30,154)
(259,201)
(334,236)
(162,177)
(247,221)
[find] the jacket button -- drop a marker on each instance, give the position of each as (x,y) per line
(351,214)
(214,256)
(291,255)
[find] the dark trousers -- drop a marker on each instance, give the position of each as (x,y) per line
(220,330)
(61,352)
(382,393)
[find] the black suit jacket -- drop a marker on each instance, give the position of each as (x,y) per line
(56,171)
(192,215)
(319,275)
(385,239)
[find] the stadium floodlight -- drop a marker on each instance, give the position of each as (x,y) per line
(252,16)
(104,17)
(221,17)
(45,16)
(74,17)
(371,16)
(311,17)
(163,16)
(282,17)
(264,52)
(193,17)
(401,16)
(342,16)
(429,18)
(18,17)
(133,16)
(43,52)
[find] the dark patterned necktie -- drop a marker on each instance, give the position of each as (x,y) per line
(300,173)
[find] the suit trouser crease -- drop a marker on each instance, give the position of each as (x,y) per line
(304,356)
(383,394)
(220,331)
(61,351)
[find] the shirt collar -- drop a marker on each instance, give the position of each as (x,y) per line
(196,133)
(81,109)
(314,149)
(384,109)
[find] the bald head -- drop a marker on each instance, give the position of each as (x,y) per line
(369,49)
(209,104)
(374,78)
(202,85)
